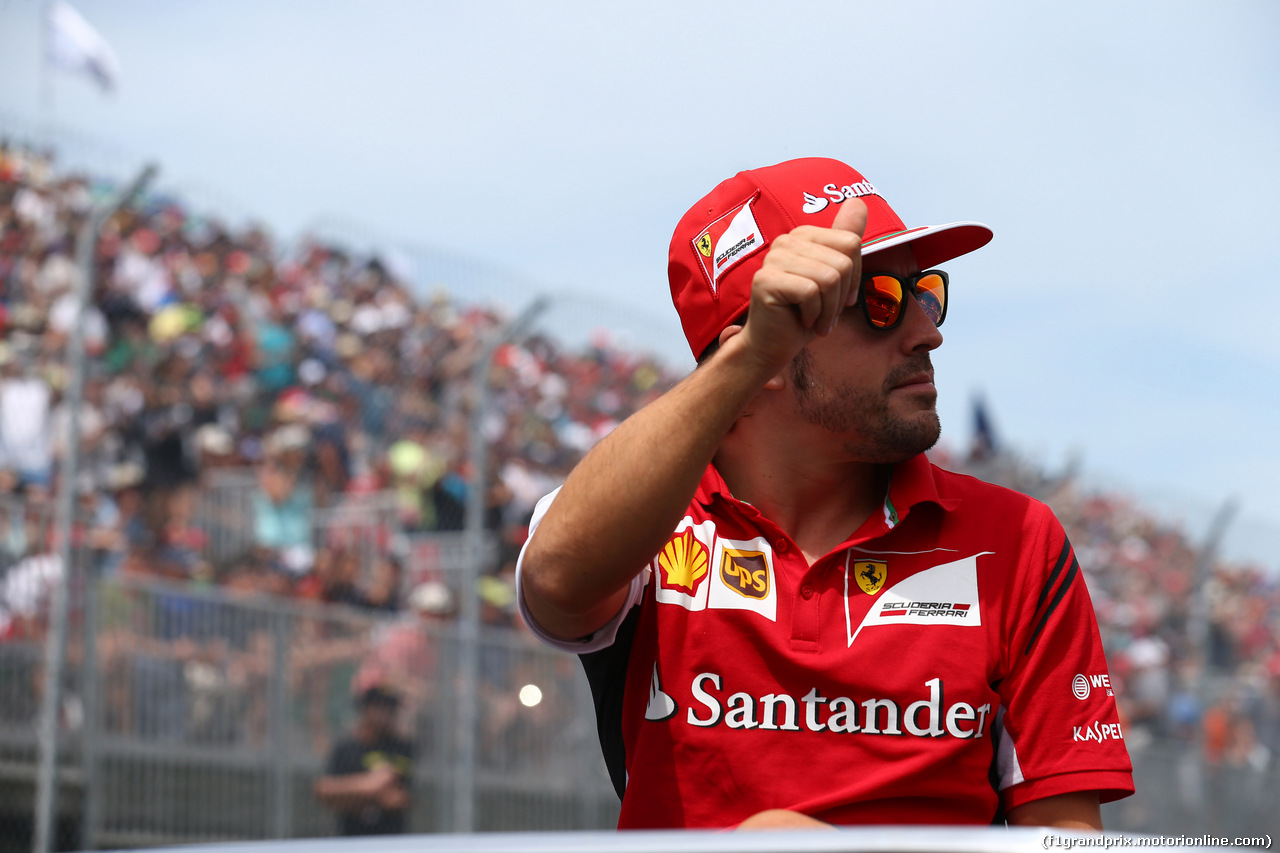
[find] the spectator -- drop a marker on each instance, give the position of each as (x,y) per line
(283,503)
(26,402)
(407,652)
(367,781)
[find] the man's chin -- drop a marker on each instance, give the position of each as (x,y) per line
(898,439)
(914,435)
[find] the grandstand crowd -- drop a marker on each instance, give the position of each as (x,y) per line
(320,378)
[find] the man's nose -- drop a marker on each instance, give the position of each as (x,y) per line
(919,334)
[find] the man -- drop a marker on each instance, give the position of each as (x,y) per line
(367,781)
(789,617)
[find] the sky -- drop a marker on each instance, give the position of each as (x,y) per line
(1124,153)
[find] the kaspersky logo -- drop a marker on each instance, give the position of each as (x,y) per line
(835,194)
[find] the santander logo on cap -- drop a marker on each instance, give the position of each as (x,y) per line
(837,194)
(814,203)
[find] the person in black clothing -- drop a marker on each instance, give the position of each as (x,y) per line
(367,780)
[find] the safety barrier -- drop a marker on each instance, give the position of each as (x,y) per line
(202,716)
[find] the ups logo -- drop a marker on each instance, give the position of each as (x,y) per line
(745,572)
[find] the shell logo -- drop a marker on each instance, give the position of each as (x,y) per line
(684,562)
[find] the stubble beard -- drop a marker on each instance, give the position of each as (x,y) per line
(874,432)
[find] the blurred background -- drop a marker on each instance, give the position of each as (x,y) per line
(403,263)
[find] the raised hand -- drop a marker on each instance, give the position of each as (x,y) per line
(810,275)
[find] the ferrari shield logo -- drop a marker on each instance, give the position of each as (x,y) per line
(704,244)
(870,575)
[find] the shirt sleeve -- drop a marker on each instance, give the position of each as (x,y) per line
(606,634)
(1058,726)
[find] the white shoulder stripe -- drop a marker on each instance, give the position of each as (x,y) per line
(1007,765)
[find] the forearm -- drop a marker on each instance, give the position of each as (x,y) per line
(1067,811)
(346,793)
(621,503)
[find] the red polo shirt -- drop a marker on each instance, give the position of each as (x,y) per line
(942,665)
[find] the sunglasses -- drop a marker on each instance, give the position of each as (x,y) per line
(882,295)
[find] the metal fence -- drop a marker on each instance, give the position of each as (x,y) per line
(1179,792)
(199,716)
(226,503)
(366,525)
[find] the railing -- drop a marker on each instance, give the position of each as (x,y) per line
(878,839)
(225,511)
(366,524)
(201,716)
(1180,792)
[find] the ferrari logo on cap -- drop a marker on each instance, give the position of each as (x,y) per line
(727,242)
(870,575)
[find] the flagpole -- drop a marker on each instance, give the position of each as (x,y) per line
(46,73)
(46,805)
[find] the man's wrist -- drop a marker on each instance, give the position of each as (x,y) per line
(752,363)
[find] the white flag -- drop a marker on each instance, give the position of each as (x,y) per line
(73,44)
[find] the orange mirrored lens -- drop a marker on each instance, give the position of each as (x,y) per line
(884,300)
(931,293)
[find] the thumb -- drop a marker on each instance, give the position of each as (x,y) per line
(852,216)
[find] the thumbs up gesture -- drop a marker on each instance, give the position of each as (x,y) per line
(810,275)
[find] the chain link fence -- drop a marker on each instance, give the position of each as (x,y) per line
(198,716)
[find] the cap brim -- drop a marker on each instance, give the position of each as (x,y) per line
(935,244)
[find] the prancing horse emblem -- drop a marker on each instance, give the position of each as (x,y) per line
(870,575)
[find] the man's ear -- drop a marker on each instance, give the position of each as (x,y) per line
(728,332)
(776,383)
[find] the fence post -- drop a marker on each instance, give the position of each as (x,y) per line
(468,714)
(91,687)
(56,641)
(586,749)
(1199,616)
(278,710)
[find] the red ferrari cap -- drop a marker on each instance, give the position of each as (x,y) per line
(721,242)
